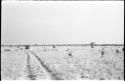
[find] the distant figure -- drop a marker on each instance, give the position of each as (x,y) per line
(117,51)
(27,47)
(54,46)
(92,44)
(102,53)
(70,54)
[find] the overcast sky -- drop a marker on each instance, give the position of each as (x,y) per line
(62,22)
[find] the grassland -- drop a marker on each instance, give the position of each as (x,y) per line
(78,62)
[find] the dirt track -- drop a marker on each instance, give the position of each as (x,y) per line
(46,69)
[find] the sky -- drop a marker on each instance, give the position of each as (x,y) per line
(62,22)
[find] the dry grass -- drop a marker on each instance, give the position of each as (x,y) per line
(83,63)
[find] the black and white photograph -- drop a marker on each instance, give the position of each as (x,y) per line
(62,40)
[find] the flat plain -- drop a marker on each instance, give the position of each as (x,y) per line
(62,63)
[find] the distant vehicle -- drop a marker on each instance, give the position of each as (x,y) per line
(27,47)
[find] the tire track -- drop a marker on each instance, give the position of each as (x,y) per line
(49,72)
(31,76)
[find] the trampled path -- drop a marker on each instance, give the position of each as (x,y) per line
(31,75)
(46,69)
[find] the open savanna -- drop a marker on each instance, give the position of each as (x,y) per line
(62,62)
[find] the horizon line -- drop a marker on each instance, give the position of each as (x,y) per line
(106,44)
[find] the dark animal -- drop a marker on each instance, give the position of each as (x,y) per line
(70,54)
(102,53)
(117,51)
(54,46)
